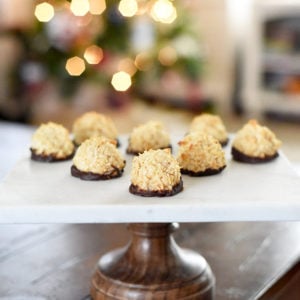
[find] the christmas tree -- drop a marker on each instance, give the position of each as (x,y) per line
(144,47)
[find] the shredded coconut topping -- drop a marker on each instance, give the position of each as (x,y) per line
(210,124)
(256,141)
(52,139)
(199,152)
(93,124)
(151,135)
(98,155)
(155,170)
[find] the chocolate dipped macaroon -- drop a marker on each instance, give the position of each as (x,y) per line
(254,143)
(200,155)
(155,173)
(97,158)
(212,125)
(92,124)
(51,142)
(151,135)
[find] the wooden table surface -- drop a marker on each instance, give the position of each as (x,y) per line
(56,261)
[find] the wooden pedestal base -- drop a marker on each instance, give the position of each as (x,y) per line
(152,267)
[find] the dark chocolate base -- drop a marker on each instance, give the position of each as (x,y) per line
(48,158)
(224,143)
(207,172)
(240,157)
(129,151)
(133,189)
(94,176)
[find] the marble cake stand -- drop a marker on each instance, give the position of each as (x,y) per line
(151,266)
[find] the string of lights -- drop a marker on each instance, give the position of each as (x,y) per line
(162,11)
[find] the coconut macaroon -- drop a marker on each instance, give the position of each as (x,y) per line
(200,154)
(255,143)
(151,135)
(51,142)
(97,158)
(93,124)
(210,124)
(155,173)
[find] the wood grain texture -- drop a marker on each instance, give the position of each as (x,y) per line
(152,267)
(57,261)
(286,288)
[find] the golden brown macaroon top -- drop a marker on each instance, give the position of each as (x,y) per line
(199,152)
(255,140)
(98,155)
(151,135)
(155,170)
(210,124)
(52,139)
(93,124)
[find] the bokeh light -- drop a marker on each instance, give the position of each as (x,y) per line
(44,12)
(80,7)
(143,61)
(121,81)
(75,66)
(163,11)
(93,55)
(128,8)
(127,65)
(97,7)
(167,56)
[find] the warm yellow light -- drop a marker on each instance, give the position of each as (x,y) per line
(127,65)
(163,11)
(44,12)
(80,7)
(75,66)
(121,81)
(93,55)
(167,56)
(97,7)
(143,61)
(128,8)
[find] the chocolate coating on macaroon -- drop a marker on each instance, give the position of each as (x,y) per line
(93,124)
(207,172)
(90,176)
(97,158)
(48,158)
(241,157)
(212,125)
(51,142)
(155,173)
(151,135)
(133,189)
(254,143)
(200,155)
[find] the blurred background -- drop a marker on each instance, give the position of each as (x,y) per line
(163,59)
(81,55)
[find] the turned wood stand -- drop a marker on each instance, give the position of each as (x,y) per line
(152,266)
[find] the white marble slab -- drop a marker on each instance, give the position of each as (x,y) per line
(37,192)
(15,140)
